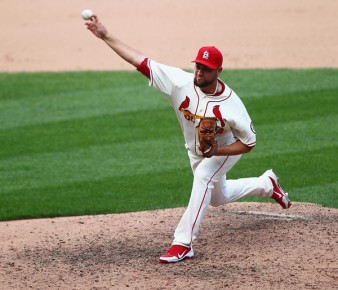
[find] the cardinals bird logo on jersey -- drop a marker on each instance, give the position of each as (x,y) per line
(192,117)
(185,104)
(183,108)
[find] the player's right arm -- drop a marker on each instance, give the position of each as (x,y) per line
(126,52)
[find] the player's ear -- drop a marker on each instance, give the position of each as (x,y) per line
(219,70)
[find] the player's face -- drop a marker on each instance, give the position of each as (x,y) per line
(205,76)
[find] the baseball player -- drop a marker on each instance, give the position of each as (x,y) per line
(195,97)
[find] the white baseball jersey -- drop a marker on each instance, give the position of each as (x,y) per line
(191,104)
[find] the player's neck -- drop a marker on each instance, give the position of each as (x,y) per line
(211,90)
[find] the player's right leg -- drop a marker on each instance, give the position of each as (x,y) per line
(177,253)
(207,171)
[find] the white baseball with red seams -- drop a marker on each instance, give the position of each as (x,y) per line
(86,14)
(210,185)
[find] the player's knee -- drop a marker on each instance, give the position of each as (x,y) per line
(202,175)
(218,199)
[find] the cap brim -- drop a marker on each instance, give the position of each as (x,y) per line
(206,63)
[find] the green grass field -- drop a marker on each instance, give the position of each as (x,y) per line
(103,142)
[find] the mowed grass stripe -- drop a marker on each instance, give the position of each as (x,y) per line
(261,83)
(285,108)
(24,113)
(80,133)
(22,86)
(107,195)
(96,162)
(62,99)
(297,136)
(317,191)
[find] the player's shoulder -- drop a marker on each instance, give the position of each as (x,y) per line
(230,100)
(157,65)
(227,91)
(171,73)
(227,95)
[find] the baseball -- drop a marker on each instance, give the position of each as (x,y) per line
(86,14)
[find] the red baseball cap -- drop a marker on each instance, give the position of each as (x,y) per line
(209,56)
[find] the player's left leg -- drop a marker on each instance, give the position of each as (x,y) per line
(266,185)
(227,191)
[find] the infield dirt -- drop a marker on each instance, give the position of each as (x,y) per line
(241,245)
(43,35)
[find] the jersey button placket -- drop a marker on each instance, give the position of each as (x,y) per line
(201,107)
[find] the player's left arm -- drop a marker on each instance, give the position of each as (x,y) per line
(244,133)
(236,148)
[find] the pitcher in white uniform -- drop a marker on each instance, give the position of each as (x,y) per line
(194,96)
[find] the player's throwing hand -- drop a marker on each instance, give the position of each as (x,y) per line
(95,26)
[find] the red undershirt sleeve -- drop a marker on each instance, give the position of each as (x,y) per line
(144,68)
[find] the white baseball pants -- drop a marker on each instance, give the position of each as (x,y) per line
(211,187)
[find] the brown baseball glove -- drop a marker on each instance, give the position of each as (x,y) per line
(207,136)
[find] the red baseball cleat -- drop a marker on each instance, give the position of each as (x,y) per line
(278,194)
(177,253)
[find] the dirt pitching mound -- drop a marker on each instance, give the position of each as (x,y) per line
(240,246)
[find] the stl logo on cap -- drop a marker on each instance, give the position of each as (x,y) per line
(209,56)
(206,55)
